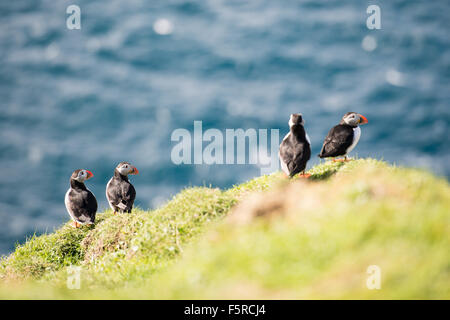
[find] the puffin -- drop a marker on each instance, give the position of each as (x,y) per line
(344,137)
(80,201)
(119,191)
(295,149)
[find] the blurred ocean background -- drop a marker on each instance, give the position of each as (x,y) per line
(116,89)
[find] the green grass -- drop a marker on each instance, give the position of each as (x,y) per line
(266,238)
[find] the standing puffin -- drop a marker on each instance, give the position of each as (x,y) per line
(295,149)
(80,202)
(119,191)
(344,137)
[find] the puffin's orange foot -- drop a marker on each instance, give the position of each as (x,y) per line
(304,175)
(341,160)
(76,224)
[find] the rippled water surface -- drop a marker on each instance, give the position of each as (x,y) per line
(116,89)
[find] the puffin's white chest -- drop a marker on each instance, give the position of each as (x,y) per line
(283,164)
(356,136)
(107,196)
(66,199)
(307,138)
(67,203)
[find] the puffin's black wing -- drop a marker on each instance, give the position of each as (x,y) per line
(338,140)
(295,155)
(121,194)
(82,205)
(287,155)
(128,196)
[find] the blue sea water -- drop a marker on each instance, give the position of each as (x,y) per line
(116,89)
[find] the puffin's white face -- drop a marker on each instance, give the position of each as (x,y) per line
(296,118)
(82,175)
(125,169)
(354,119)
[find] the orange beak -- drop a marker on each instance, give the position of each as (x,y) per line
(363,119)
(135,171)
(89,174)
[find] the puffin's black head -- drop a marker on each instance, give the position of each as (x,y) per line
(296,119)
(81,175)
(353,119)
(125,168)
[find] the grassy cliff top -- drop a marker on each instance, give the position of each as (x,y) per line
(268,238)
